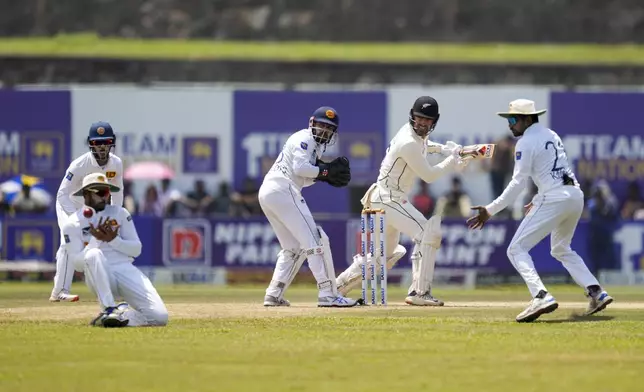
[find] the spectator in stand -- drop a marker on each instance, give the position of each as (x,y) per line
(456,203)
(128,200)
(199,201)
(25,204)
(603,211)
(423,200)
(151,203)
(170,199)
(5,207)
(501,165)
(633,202)
(246,201)
(223,203)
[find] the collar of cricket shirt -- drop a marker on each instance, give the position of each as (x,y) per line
(533,128)
(415,135)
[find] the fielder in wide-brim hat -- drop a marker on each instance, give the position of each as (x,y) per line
(522,107)
(96,180)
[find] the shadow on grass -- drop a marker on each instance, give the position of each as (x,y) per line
(577,318)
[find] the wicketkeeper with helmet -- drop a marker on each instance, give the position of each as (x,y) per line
(298,166)
(99,159)
(404,162)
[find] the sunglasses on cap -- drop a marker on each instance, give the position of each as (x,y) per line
(100,192)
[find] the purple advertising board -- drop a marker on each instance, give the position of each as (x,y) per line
(251,243)
(263,120)
(35,133)
(30,238)
(601,137)
(484,250)
(234,242)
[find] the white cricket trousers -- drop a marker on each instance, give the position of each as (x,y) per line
(403,217)
(108,280)
(64,271)
(557,213)
(64,268)
(291,219)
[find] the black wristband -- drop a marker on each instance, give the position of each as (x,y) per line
(324,170)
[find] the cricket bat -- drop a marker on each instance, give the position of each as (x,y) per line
(474,151)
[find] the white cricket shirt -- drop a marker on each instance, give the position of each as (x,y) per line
(296,163)
(539,154)
(405,161)
(77,239)
(66,204)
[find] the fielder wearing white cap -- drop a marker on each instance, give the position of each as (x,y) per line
(101,240)
(554,210)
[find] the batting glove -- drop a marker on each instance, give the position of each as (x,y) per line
(451,148)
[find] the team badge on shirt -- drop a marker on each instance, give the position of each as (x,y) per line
(110,174)
(304,145)
(518,155)
(69,176)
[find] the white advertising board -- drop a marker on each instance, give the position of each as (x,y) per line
(188,128)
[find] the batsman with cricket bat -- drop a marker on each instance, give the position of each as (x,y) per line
(403,163)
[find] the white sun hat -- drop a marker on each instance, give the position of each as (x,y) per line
(521,107)
(95,179)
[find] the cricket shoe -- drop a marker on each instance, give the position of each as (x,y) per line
(270,301)
(336,302)
(541,304)
(64,297)
(111,317)
(598,302)
(425,299)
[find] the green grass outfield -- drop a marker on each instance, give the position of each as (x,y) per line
(222,339)
(88,45)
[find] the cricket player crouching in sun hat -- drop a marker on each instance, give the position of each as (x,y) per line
(101,240)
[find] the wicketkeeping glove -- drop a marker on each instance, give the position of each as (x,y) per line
(336,173)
